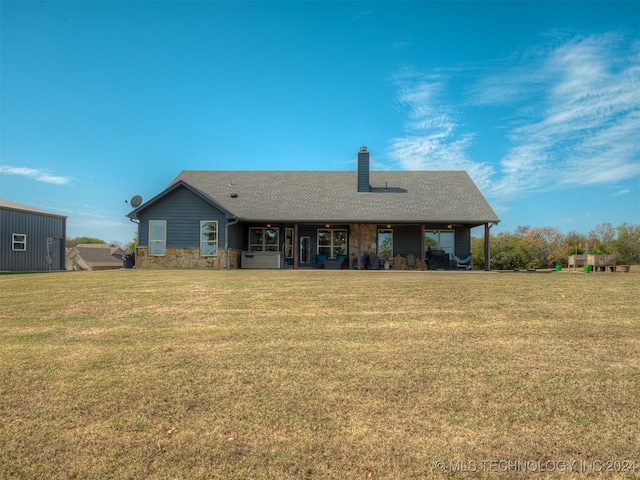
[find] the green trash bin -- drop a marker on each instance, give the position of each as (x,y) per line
(558,268)
(587,269)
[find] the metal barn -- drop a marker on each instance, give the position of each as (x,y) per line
(31,239)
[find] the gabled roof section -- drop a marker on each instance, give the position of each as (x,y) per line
(175,185)
(332,196)
(100,255)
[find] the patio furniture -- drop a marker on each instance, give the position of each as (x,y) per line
(438,260)
(373,262)
(337,263)
(463,262)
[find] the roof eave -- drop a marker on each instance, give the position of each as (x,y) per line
(181,183)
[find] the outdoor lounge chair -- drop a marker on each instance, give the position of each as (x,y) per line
(463,263)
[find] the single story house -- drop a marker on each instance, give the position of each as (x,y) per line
(311,219)
(98,256)
(31,240)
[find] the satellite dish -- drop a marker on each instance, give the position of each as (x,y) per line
(136,201)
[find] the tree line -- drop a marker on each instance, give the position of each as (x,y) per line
(546,247)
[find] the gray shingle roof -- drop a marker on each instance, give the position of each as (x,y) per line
(100,254)
(332,196)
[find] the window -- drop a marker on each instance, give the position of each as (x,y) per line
(208,238)
(288,242)
(263,239)
(440,240)
(157,237)
(19,242)
(332,242)
(385,243)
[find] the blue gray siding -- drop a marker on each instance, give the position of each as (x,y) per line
(462,242)
(236,236)
(406,239)
(45,241)
(183,212)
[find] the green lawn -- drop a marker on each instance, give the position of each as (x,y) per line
(319,375)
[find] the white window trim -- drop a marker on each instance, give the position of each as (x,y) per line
(203,242)
(163,241)
(19,242)
(264,244)
(384,230)
(440,247)
(332,247)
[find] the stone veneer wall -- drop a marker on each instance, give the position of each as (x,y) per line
(369,242)
(186,258)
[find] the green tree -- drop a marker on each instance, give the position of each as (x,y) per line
(627,244)
(574,243)
(543,247)
(131,246)
(477,253)
(72,242)
(507,253)
(604,233)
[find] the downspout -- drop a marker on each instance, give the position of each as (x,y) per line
(135,247)
(226,242)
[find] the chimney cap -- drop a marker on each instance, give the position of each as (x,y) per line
(363,148)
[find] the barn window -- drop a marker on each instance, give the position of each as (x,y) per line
(157,237)
(19,242)
(208,238)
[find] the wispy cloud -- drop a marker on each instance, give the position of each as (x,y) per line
(432,141)
(574,118)
(35,174)
(587,129)
(621,192)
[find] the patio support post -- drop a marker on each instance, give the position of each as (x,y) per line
(359,246)
(296,247)
(422,259)
(487,249)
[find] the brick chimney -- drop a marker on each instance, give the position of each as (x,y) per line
(363,170)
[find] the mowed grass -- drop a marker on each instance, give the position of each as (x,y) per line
(317,374)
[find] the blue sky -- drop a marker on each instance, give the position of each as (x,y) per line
(538,101)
